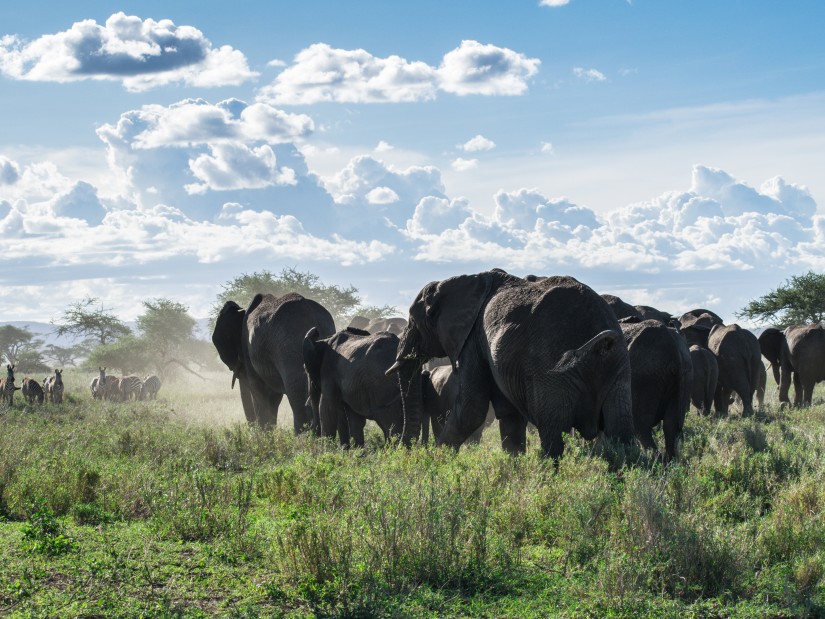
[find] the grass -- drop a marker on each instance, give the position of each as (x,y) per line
(175,508)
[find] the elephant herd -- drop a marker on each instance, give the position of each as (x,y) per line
(546,351)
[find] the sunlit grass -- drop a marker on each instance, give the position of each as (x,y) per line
(177,508)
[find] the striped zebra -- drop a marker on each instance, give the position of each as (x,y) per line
(7,387)
(151,386)
(31,390)
(97,381)
(130,386)
(53,386)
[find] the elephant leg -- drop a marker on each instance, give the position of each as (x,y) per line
(672,430)
(302,415)
(808,392)
(469,411)
(356,429)
(721,399)
(330,410)
(512,426)
(645,436)
(797,389)
(343,429)
(268,414)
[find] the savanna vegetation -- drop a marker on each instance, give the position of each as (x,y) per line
(175,508)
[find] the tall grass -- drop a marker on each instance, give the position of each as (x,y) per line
(735,527)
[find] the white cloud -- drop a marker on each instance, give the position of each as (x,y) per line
(478,143)
(9,171)
(477,69)
(383,147)
(236,166)
(142,54)
(547,148)
(589,75)
(321,73)
(553,2)
(460,164)
(382,195)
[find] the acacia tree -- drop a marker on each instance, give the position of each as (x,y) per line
(15,341)
(800,301)
(168,332)
(83,319)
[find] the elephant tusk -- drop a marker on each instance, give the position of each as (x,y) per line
(394,368)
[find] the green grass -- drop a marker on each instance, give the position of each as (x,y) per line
(175,508)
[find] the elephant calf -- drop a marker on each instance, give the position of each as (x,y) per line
(705,376)
(348,385)
(661,379)
(740,359)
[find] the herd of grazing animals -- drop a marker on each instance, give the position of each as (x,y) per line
(103,386)
(547,351)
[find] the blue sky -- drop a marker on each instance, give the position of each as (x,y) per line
(667,152)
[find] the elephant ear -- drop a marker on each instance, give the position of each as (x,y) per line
(770,343)
(452,308)
(227,334)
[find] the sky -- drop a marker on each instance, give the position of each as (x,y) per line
(670,153)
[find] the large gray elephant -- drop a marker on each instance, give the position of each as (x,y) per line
(739,357)
(348,385)
(705,377)
(695,326)
(439,388)
(802,360)
(661,379)
(624,310)
(262,345)
(549,352)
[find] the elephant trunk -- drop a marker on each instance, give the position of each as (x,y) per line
(409,383)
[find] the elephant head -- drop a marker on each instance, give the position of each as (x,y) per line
(227,338)
(770,343)
(442,317)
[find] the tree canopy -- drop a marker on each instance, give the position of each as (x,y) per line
(342,303)
(82,319)
(15,341)
(800,301)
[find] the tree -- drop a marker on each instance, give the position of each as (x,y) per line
(800,301)
(167,330)
(82,319)
(342,303)
(64,356)
(374,312)
(31,361)
(129,354)
(14,341)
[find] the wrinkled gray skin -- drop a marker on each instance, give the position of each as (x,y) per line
(439,388)
(696,324)
(262,345)
(348,385)
(802,360)
(376,325)
(549,352)
(739,357)
(661,381)
(629,313)
(705,376)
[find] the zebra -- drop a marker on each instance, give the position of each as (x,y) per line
(151,386)
(32,391)
(97,382)
(7,387)
(53,386)
(130,386)
(110,388)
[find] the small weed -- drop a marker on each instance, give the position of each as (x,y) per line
(44,534)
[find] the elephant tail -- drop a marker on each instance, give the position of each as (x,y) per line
(685,385)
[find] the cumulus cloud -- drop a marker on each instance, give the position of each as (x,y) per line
(547,148)
(460,164)
(589,75)
(478,143)
(236,166)
(142,54)
(553,2)
(383,147)
(382,195)
(9,171)
(321,73)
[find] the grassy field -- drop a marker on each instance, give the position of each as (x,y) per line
(175,508)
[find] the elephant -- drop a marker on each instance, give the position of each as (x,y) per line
(739,357)
(549,352)
(696,324)
(348,385)
(262,346)
(661,381)
(770,343)
(439,388)
(802,359)
(705,377)
(376,325)
(624,310)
